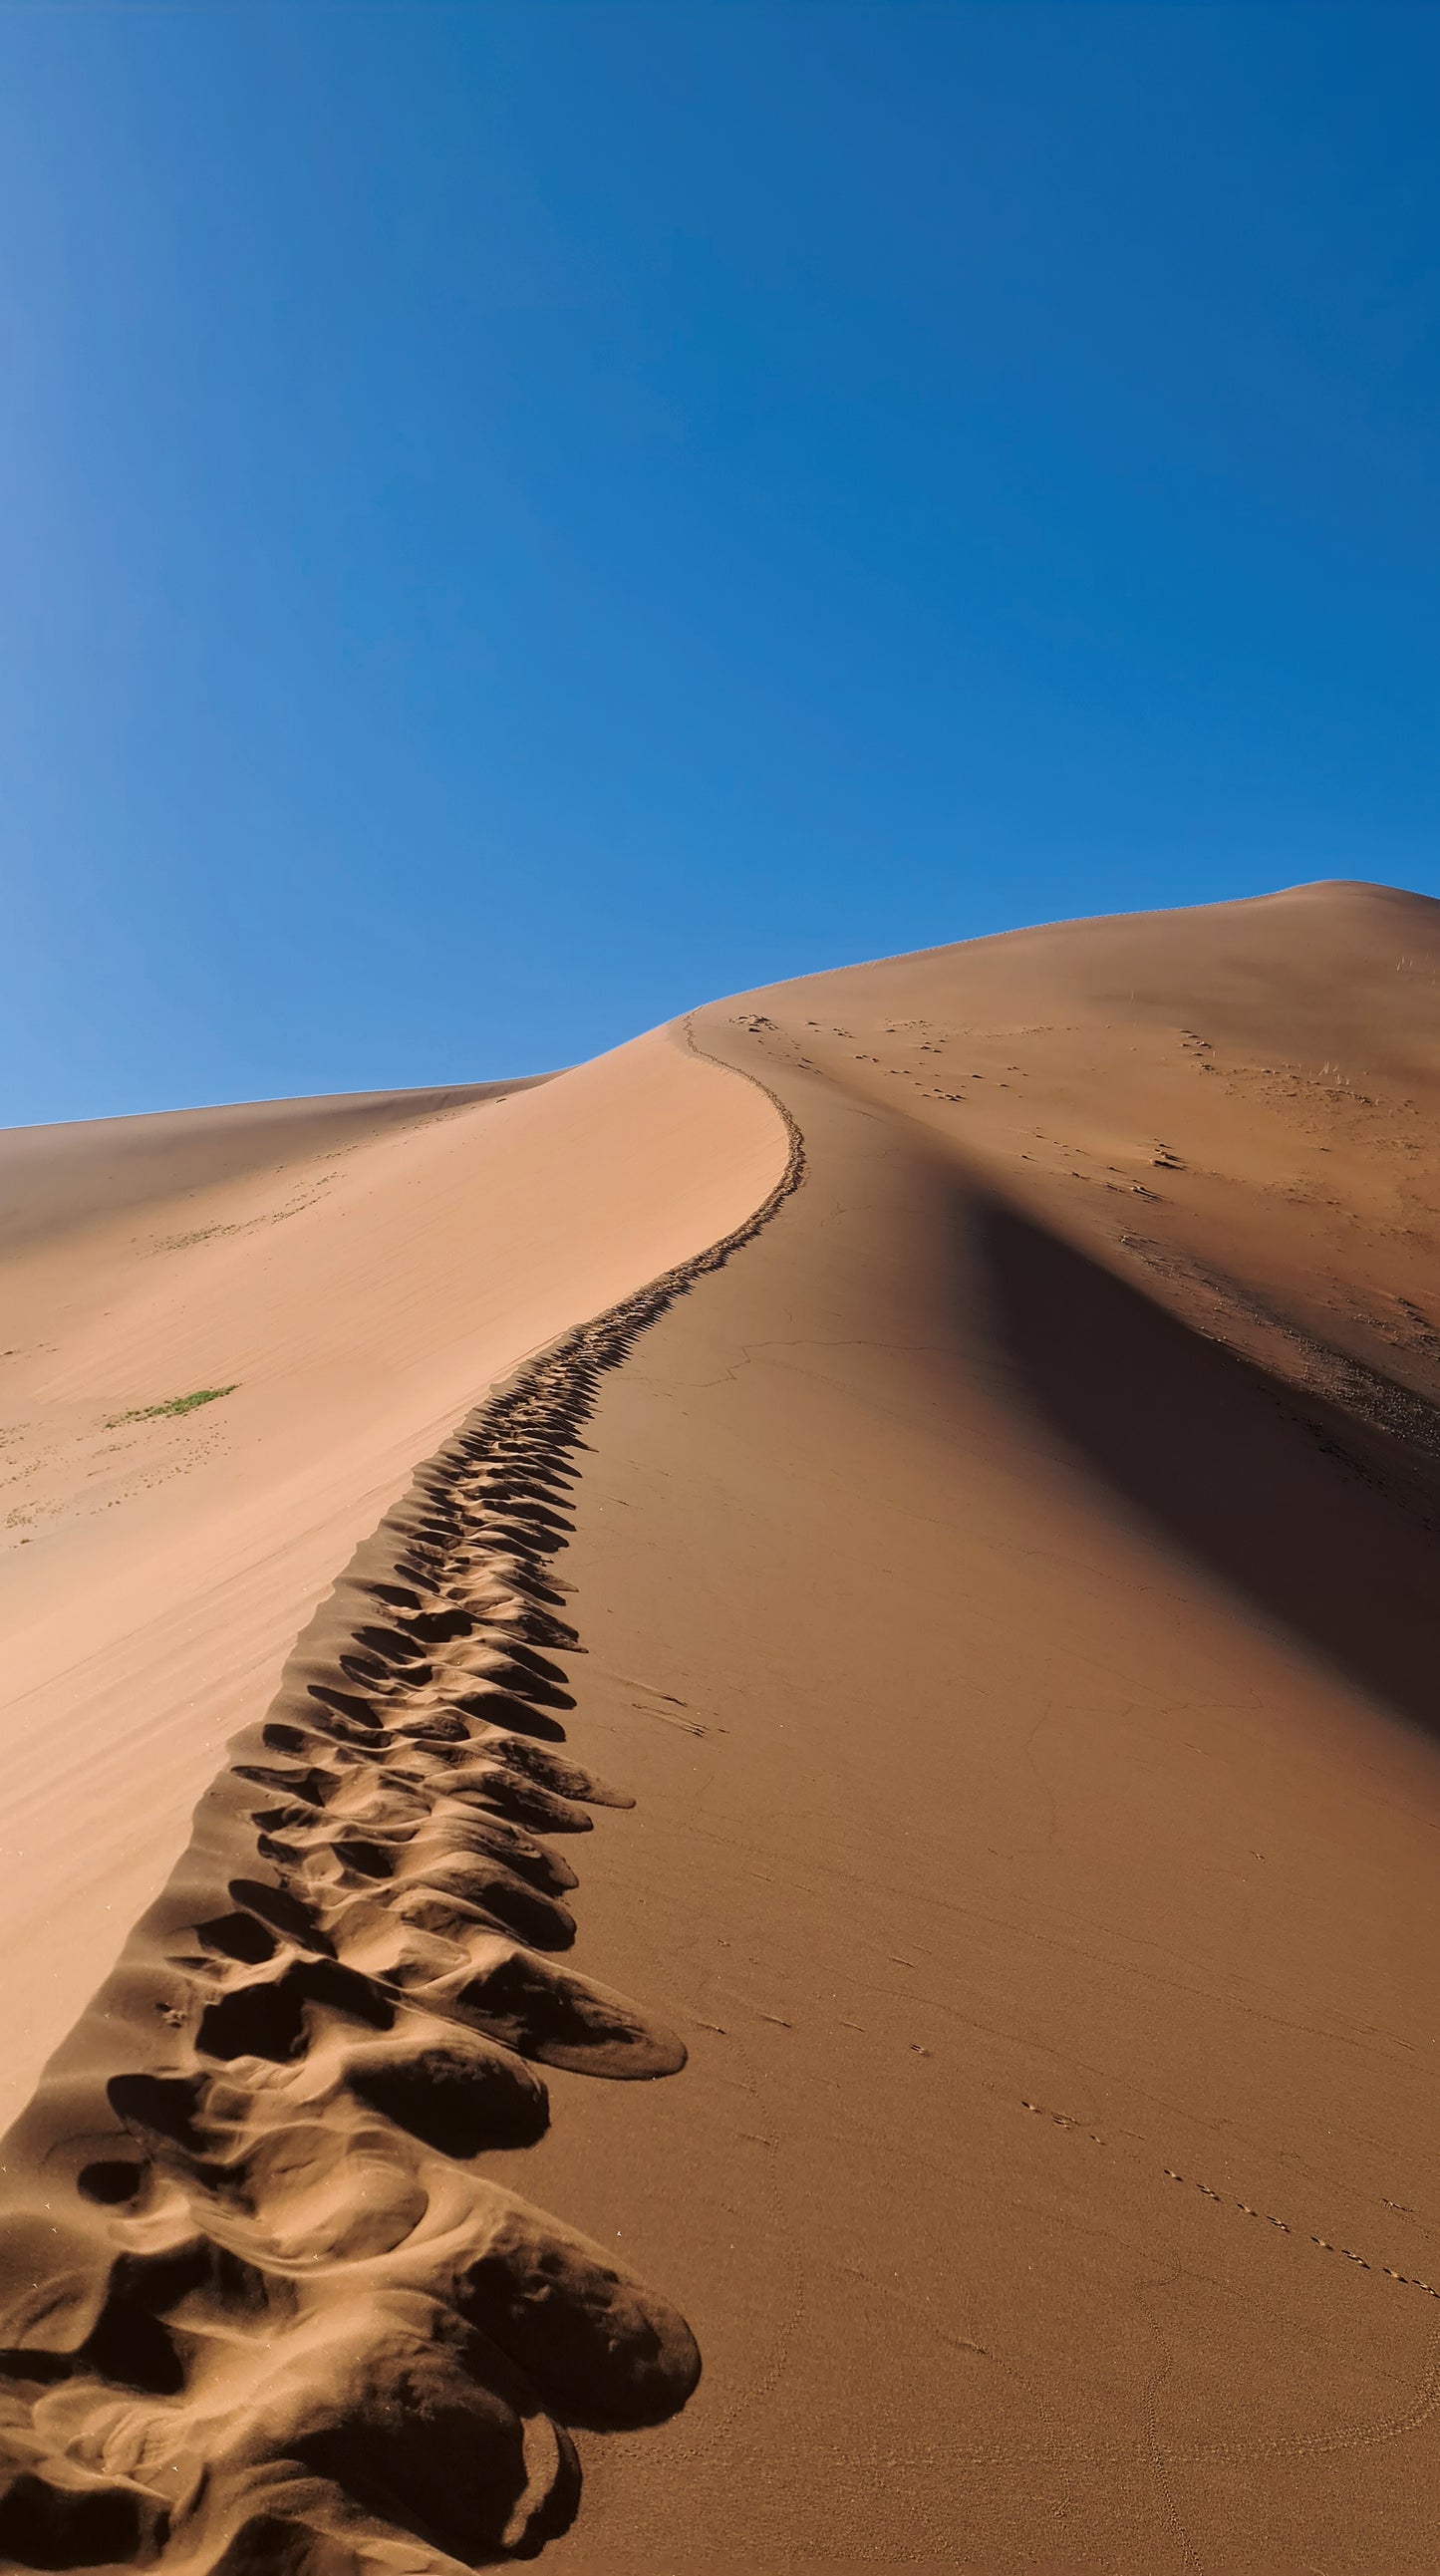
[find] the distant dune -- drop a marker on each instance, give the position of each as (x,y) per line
(808,1656)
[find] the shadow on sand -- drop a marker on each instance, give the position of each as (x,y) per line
(1327,1524)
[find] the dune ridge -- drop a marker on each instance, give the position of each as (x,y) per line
(240,2196)
(357,1299)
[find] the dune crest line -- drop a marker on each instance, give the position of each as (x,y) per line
(257,2310)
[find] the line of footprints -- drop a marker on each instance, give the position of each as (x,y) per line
(260,2311)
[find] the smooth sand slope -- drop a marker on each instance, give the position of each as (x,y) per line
(1002,1575)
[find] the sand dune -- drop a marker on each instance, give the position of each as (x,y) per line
(358,1297)
(930,1490)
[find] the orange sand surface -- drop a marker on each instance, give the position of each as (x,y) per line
(976,2107)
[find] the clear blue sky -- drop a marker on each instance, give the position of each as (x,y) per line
(518,518)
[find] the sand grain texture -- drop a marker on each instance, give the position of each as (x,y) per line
(1001,1573)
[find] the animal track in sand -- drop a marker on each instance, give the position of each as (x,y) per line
(1244,2208)
(259,2309)
(1327,2245)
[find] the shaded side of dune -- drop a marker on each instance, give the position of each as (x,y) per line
(1321,1515)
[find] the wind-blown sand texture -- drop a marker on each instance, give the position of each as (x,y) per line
(972,1486)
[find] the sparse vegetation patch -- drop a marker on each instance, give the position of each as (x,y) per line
(172,1404)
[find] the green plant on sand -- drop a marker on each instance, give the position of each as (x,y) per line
(172,1404)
